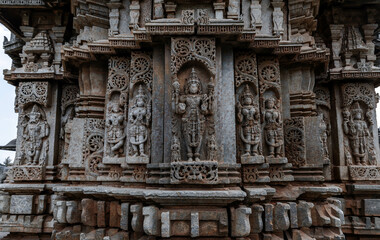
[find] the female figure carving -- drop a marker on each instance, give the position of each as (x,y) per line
(139,117)
(248,115)
(273,128)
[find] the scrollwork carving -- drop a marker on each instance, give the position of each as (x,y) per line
(295,141)
(190,49)
(37,92)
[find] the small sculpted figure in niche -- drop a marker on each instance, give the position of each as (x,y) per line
(115,125)
(357,130)
(193,106)
(248,116)
(35,130)
(175,149)
(323,127)
(67,124)
(139,117)
(212,148)
(273,128)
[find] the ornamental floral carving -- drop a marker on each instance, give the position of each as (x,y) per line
(93,147)
(37,92)
(193,49)
(295,141)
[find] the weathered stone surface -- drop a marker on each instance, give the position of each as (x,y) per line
(239,119)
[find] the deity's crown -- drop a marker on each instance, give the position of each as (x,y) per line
(356,108)
(140,93)
(247,92)
(193,77)
(34,111)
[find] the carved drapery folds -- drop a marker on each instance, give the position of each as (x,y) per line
(194,148)
(358,122)
(139,115)
(116,109)
(33,131)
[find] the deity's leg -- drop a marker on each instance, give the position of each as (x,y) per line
(142,153)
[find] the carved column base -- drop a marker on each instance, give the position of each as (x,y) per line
(255,173)
(252,159)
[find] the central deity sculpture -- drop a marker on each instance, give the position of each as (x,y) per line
(358,132)
(139,117)
(273,128)
(115,125)
(249,116)
(35,131)
(194,107)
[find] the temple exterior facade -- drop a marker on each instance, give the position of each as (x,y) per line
(202,119)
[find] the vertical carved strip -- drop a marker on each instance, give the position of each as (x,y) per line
(140,102)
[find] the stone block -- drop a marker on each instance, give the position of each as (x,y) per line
(151,221)
(240,226)
(21,204)
(5,202)
(124,220)
(371,207)
(256,219)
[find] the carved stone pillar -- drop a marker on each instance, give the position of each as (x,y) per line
(37,133)
(233,9)
(278,17)
(114,16)
(86,145)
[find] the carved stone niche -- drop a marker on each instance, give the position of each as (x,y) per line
(140,112)
(194,149)
(68,99)
(116,110)
(322,99)
(248,124)
(360,131)
(34,132)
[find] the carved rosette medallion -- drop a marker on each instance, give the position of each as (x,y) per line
(295,141)
(194,151)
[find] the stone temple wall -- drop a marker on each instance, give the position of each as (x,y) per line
(179,119)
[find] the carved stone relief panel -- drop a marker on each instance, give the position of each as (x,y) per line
(193,144)
(70,93)
(271,107)
(37,92)
(139,115)
(116,109)
(322,99)
(33,131)
(93,147)
(295,148)
(248,128)
(32,154)
(358,102)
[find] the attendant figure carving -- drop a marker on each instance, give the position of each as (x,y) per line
(139,117)
(273,128)
(249,116)
(115,125)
